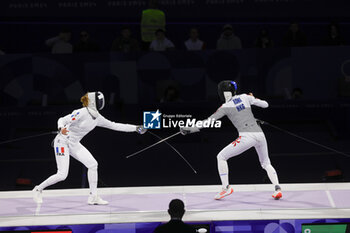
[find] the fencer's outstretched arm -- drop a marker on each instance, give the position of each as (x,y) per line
(105,123)
(215,116)
(257,102)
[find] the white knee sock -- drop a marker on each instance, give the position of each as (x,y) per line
(271,172)
(92,178)
(223,172)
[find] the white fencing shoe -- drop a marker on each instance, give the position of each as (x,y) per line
(96,200)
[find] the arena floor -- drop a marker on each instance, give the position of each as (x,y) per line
(149,204)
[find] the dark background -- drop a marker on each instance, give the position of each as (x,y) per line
(37,87)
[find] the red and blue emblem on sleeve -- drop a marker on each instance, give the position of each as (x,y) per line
(60,151)
(73,116)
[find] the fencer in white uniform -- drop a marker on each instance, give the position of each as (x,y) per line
(72,128)
(238,109)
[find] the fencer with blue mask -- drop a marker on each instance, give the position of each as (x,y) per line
(237,107)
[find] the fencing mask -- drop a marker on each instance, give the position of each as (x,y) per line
(227,89)
(96,102)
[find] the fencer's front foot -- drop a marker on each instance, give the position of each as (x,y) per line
(37,195)
(140,129)
(225,192)
(96,200)
(277,194)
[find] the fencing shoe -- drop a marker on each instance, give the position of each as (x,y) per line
(278,193)
(225,192)
(96,200)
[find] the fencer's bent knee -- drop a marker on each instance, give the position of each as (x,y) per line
(265,165)
(62,175)
(221,157)
(93,166)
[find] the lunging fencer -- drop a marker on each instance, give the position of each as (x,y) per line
(238,109)
(72,128)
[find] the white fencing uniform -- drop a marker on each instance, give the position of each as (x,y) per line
(238,110)
(78,124)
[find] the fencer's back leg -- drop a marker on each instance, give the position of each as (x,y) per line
(80,153)
(262,151)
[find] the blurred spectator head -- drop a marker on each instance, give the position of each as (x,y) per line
(333,30)
(294,27)
(227,30)
(160,34)
(65,34)
(85,43)
(176,209)
(194,33)
(264,40)
(126,32)
(294,36)
(334,37)
(84,36)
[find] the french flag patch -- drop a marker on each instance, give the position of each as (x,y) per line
(60,151)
